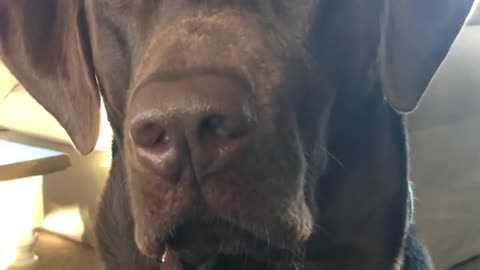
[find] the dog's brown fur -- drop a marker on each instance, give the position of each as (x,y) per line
(323,183)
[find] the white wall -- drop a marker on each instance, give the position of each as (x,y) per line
(445,155)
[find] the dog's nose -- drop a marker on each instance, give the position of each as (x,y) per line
(201,121)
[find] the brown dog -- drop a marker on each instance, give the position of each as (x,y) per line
(249,134)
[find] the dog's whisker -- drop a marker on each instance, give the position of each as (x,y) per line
(321,229)
(221,245)
(147,263)
(267,235)
(245,258)
(332,156)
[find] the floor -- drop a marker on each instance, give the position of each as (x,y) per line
(56,253)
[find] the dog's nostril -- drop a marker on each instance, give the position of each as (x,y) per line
(156,147)
(215,126)
(221,129)
(149,134)
(193,124)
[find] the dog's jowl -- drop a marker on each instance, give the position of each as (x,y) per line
(249,134)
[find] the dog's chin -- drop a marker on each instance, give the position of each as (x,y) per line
(198,243)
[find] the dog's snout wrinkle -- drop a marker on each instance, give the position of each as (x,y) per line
(203,121)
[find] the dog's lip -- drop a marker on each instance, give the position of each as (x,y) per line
(201,247)
(191,247)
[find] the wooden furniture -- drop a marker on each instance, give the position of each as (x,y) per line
(57,253)
(21,199)
(20,161)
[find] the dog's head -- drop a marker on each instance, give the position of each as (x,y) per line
(221,108)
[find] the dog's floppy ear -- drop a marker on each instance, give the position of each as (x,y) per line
(416,37)
(45,45)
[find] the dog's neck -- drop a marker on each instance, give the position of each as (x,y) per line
(362,198)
